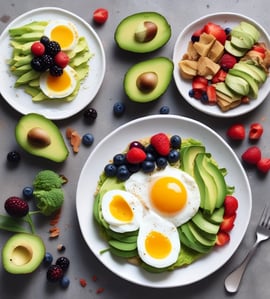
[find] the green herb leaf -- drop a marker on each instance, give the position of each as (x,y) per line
(12,224)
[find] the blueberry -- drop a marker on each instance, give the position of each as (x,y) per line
(48,258)
(173,156)
(191,93)
(88,139)
(150,157)
(110,170)
(119,159)
(13,157)
(148,166)
(204,98)
(27,192)
(90,114)
(228,30)
(123,173)
(164,110)
(175,141)
(119,109)
(195,38)
(150,149)
(161,162)
(64,282)
(133,167)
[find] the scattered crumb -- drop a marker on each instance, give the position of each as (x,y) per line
(55,219)
(100,290)
(83,282)
(75,139)
(61,248)
(54,232)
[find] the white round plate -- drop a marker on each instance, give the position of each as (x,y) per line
(21,101)
(115,143)
(225,20)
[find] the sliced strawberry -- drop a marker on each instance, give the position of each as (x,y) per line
(264,165)
(135,155)
(220,76)
(161,143)
(228,223)
(217,31)
(227,61)
(252,155)
(211,94)
(222,238)
(259,49)
(236,132)
(199,83)
(255,131)
(230,205)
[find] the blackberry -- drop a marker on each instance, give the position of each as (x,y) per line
(54,273)
(16,206)
(44,40)
(13,157)
(90,114)
(37,64)
(56,70)
(63,262)
(52,48)
(47,60)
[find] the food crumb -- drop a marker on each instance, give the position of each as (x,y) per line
(94,278)
(75,139)
(54,232)
(61,248)
(100,290)
(83,282)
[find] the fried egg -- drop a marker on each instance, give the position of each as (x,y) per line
(61,86)
(158,241)
(171,193)
(64,32)
(121,210)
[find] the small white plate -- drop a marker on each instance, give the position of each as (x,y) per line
(225,20)
(115,143)
(21,101)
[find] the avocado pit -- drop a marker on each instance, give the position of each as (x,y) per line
(147,81)
(146,31)
(38,137)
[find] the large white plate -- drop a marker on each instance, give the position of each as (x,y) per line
(21,101)
(226,20)
(117,142)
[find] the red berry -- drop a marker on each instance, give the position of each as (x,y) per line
(161,143)
(217,31)
(54,273)
(211,94)
(37,49)
(135,155)
(199,83)
(230,205)
(255,131)
(264,165)
(220,76)
(236,132)
(222,238)
(100,15)
(61,59)
(227,61)
(228,223)
(16,206)
(252,155)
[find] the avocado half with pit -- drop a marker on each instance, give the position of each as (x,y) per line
(22,253)
(39,136)
(148,80)
(142,32)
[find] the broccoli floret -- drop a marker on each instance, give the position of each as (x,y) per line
(47,180)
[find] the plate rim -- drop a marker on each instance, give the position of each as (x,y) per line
(216,113)
(151,283)
(49,113)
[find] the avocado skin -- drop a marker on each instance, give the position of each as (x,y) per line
(23,242)
(56,151)
(125,31)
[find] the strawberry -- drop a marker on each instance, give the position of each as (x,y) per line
(236,132)
(230,205)
(199,83)
(227,61)
(61,59)
(220,76)
(255,131)
(16,206)
(259,49)
(222,238)
(264,165)
(161,143)
(228,223)
(135,155)
(211,94)
(217,31)
(196,35)
(252,155)
(100,15)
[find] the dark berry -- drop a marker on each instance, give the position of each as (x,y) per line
(173,156)
(63,262)
(161,162)
(88,139)
(133,167)
(228,30)
(56,71)
(110,170)
(44,40)
(119,159)
(119,109)
(148,166)
(37,64)
(195,38)
(52,48)
(123,173)
(164,110)
(13,156)
(47,60)
(90,114)
(191,93)
(175,141)
(48,258)
(136,144)
(16,206)
(61,247)
(64,282)
(27,192)
(150,149)
(204,98)
(150,157)
(54,273)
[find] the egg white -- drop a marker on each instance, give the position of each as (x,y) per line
(116,224)
(140,184)
(54,24)
(51,93)
(153,222)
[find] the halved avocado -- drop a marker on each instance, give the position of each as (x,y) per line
(23,253)
(148,80)
(39,136)
(142,32)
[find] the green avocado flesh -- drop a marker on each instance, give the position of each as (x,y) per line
(23,253)
(55,150)
(162,67)
(125,32)
(198,235)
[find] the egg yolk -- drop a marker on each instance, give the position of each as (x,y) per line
(63,35)
(120,209)
(168,195)
(59,83)
(157,245)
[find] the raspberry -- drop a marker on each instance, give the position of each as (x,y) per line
(252,155)
(54,273)
(16,206)
(227,61)
(52,48)
(161,143)
(63,262)
(135,155)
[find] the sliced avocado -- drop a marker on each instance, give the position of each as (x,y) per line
(237,84)
(199,237)
(188,155)
(242,42)
(251,30)
(223,88)
(256,72)
(204,224)
(122,245)
(148,80)
(217,216)
(237,52)
(39,136)
(22,253)
(142,32)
